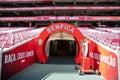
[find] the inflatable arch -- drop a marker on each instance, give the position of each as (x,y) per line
(53,28)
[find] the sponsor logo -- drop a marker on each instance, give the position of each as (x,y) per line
(110,60)
(14,57)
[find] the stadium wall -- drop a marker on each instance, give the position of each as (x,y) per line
(104,60)
(17,59)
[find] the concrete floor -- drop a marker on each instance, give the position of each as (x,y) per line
(57,68)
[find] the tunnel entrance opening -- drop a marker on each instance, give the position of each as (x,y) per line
(61,49)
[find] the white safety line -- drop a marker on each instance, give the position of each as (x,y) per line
(46,76)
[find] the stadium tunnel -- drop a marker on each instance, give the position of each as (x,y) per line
(61,47)
(59,39)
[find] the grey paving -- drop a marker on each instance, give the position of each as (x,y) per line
(58,68)
(71,76)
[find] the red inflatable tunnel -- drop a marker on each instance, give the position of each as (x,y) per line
(53,28)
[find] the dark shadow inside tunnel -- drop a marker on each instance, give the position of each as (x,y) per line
(62,51)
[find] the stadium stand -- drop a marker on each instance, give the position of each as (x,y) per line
(12,36)
(22,22)
(109,38)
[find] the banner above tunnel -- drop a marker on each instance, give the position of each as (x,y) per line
(62,8)
(57,28)
(61,18)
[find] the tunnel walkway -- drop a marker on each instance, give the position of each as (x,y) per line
(60,67)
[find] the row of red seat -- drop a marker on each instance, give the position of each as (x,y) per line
(107,38)
(3,39)
(110,29)
(14,36)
